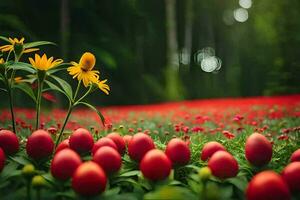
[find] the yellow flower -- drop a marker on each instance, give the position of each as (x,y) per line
(1,61)
(43,63)
(83,72)
(18,79)
(16,43)
(104,87)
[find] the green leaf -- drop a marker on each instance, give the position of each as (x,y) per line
(55,88)
(49,178)
(31,78)
(93,108)
(130,173)
(4,38)
(64,85)
(22,66)
(21,160)
(2,89)
(38,43)
(62,66)
(113,191)
(25,88)
(240,182)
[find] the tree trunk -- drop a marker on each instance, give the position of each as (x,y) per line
(188,32)
(173,86)
(64,27)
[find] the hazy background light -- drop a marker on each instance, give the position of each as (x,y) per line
(207,60)
(245,3)
(203,53)
(184,57)
(240,14)
(209,64)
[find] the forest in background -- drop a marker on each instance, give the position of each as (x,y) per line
(149,50)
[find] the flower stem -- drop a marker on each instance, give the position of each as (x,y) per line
(38,194)
(71,106)
(77,90)
(11,105)
(38,104)
(88,92)
(11,99)
(28,190)
(64,125)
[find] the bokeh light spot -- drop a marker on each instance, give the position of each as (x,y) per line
(240,14)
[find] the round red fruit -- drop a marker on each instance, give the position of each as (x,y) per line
(267,185)
(127,138)
(64,164)
(139,145)
(108,158)
(178,152)
(2,159)
(81,141)
(89,179)
(295,156)
(155,165)
(104,142)
(39,145)
(9,142)
(223,165)
(291,175)
(210,148)
(119,141)
(258,150)
(63,145)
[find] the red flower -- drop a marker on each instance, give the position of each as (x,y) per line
(283,137)
(49,97)
(228,135)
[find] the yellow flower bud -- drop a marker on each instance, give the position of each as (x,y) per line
(38,182)
(204,173)
(28,170)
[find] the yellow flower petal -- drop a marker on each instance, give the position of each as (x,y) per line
(30,50)
(43,63)
(83,72)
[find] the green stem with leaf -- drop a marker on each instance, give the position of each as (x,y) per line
(11,106)
(72,104)
(10,83)
(38,103)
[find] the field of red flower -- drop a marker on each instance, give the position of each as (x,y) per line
(244,148)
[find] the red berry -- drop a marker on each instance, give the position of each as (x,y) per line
(63,145)
(89,179)
(9,142)
(210,148)
(104,142)
(81,141)
(127,139)
(267,185)
(2,159)
(108,158)
(118,140)
(64,164)
(295,156)
(178,152)
(223,165)
(258,150)
(155,165)
(291,175)
(139,145)
(39,145)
